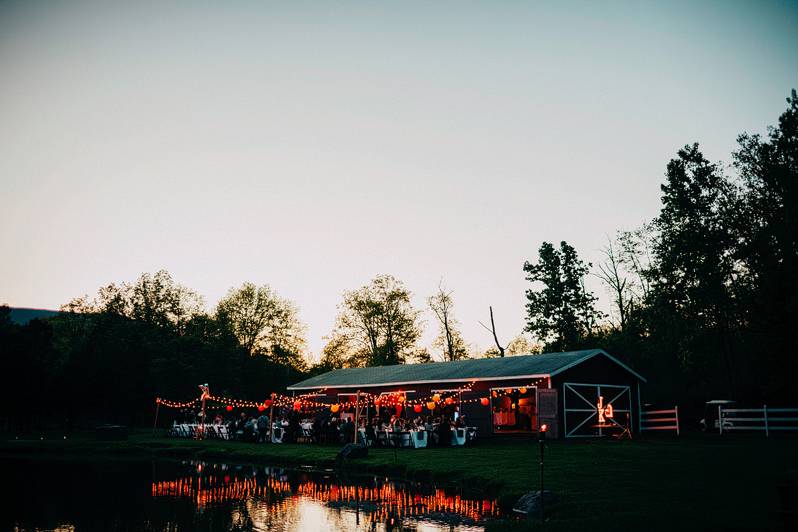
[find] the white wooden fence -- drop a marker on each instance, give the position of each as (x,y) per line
(660,420)
(764,419)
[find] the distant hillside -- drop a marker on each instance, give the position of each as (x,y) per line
(21,316)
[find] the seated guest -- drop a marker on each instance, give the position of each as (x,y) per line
(444,434)
(371,433)
(249,429)
(263,427)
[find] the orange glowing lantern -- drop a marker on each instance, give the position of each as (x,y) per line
(401,398)
(494,394)
(449,400)
(436,397)
(297,406)
(484,401)
(261,408)
(508,390)
(267,403)
(431,405)
(522,389)
(334,408)
(417,409)
(377,402)
(229,408)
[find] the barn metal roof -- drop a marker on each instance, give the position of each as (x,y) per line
(522,366)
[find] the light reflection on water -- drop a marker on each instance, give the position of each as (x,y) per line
(275,499)
(177,496)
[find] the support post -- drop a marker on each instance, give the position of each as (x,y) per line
(720,419)
(676,410)
(767,429)
(157,408)
(271,420)
(357,415)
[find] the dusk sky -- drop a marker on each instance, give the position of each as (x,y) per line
(312,146)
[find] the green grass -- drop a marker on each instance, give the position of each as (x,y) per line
(694,482)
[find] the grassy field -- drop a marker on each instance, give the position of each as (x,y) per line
(697,482)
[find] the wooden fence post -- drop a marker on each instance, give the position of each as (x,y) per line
(676,411)
(767,429)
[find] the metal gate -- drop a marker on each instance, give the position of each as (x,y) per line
(590,410)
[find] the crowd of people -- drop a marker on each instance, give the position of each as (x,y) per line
(326,428)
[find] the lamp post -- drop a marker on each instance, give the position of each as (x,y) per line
(541,445)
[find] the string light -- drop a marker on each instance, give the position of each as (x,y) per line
(386,400)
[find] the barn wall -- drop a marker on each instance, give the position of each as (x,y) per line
(476,415)
(599,370)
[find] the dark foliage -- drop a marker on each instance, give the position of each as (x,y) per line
(78,370)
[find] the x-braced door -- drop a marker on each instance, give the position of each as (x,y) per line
(590,409)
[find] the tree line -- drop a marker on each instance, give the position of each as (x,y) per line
(703,299)
(705,295)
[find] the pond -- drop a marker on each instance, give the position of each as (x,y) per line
(190,495)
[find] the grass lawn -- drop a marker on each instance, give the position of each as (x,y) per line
(695,482)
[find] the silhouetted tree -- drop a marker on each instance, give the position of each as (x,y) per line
(562,313)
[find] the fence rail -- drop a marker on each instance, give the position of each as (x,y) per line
(769,419)
(660,420)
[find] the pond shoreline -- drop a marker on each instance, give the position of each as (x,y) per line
(653,475)
(318,457)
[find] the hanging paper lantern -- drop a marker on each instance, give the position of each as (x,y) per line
(261,408)
(334,408)
(484,401)
(449,400)
(417,409)
(297,406)
(229,408)
(494,394)
(436,397)
(377,402)
(401,398)
(431,405)
(522,389)
(267,403)
(508,390)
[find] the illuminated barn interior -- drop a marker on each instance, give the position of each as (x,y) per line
(576,393)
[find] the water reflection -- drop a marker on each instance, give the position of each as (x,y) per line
(306,500)
(177,496)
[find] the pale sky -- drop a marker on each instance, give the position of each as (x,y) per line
(314,145)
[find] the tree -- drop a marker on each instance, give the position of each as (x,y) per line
(378,323)
(523,345)
(155,299)
(612,274)
(499,351)
(450,340)
(693,248)
(562,313)
(264,323)
(767,228)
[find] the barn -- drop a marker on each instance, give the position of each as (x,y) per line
(576,393)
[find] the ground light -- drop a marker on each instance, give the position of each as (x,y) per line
(541,445)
